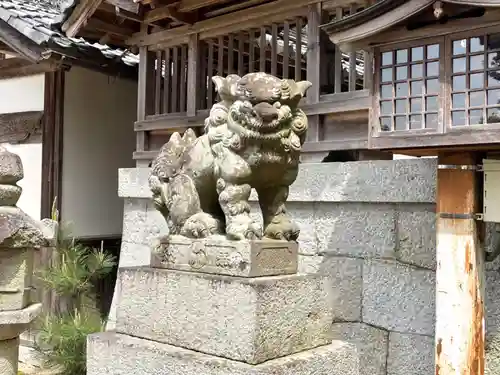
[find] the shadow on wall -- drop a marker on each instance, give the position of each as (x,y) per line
(340,157)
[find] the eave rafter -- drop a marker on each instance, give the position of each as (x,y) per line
(370,26)
(81,14)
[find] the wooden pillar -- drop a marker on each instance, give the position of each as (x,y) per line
(313,67)
(52,142)
(192,74)
(145,97)
(460,268)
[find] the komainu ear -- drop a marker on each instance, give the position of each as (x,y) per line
(303,86)
(219,82)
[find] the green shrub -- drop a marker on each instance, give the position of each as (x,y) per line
(62,334)
(62,340)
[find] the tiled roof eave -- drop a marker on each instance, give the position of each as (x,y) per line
(39,21)
(365,15)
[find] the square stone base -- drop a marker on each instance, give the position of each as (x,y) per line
(115,354)
(220,256)
(16,278)
(244,319)
(13,323)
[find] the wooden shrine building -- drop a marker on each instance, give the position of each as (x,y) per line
(182,44)
(418,77)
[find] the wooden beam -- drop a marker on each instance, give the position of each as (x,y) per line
(190,5)
(79,17)
(460,269)
(119,12)
(19,127)
(169,11)
(349,105)
(109,28)
(224,24)
(20,43)
(235,7)
(21,68)
(126,5)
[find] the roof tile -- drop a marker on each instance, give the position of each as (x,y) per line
(40,21)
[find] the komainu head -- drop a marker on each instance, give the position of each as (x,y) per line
(261,87)
(261,108)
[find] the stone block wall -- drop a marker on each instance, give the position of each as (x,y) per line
(370,226)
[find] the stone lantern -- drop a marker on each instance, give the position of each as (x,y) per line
(20,237)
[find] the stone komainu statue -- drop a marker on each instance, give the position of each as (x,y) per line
(253,138)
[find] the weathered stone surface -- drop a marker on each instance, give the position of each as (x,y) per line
(371,344)
(9,353)
(11,167)
(115,354)
(346,286)
(9,194)
(309,264)
(411,180)
(23,316)
(410,354)
(398,297)
(492,303)
(134,221)
(156,226)
(223,257)
(13,323)
(356,229)
(303,214)
(16,269)
(245,319)
(134,255)
(417,237)
(18,230)
(142,223)
(133,183)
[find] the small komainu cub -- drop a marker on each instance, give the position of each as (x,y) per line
(253,138)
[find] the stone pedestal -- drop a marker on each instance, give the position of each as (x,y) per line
(209,307)
(20,237)
(218,256)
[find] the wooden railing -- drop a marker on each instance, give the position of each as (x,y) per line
(170,85)
(273,49)
(181,90)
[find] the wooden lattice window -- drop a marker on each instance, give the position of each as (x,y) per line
(409,89)
(475,80)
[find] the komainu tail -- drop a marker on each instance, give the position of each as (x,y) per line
(172,155)
(166,166)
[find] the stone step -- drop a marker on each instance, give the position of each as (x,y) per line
(112,353)
(220,256)
(245,319)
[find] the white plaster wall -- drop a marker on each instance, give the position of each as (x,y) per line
(22,95)
(99,117)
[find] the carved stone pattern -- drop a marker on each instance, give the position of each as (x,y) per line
(228,259)
(20,126)
(274,258)
(165,254)
(198,256)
